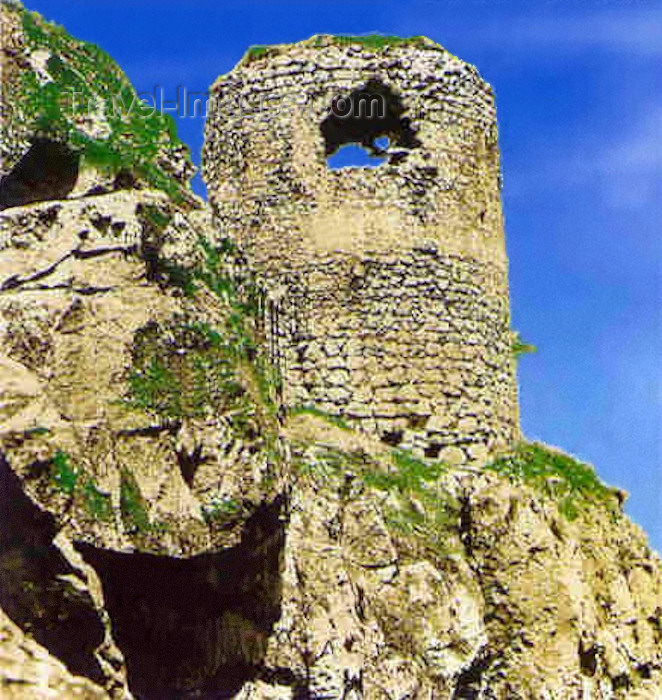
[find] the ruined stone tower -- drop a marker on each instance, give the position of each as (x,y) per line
(388,290)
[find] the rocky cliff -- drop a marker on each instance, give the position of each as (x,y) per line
(168,530)
(72,123)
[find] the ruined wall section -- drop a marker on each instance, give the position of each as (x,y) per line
(416,355)
(389,296)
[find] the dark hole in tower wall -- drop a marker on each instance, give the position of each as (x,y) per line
(195,627)
(48,170)
(364,116)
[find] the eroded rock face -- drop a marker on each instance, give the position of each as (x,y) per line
(50,595)
(48,170)
(83,318)
(198,624)
(29,671)
(334,597)
(71,120)
(129,421)
(513,601)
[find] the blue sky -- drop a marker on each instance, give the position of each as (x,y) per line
(579,98)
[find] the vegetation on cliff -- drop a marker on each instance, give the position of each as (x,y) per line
(573,484)
(72,92)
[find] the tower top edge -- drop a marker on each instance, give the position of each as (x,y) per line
(369,45)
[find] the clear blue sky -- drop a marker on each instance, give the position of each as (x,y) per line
(579,97)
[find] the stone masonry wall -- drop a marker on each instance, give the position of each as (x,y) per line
(388,286)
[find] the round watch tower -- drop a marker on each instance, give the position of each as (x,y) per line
(388,286)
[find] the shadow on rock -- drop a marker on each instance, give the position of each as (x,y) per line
(197,625)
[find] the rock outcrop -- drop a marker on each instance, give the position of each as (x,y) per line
(128,403)
(414,582)
(169,530)
(30,671)
(72,123)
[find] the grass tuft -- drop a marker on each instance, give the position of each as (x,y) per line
(98,504)
(309,410)
(73,481)
(65,474)
(371,41)
(519,347)
(574,484)
(132,505)
(418,507)
(376,41)
(221,511)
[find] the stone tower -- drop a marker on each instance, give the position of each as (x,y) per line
(388,286)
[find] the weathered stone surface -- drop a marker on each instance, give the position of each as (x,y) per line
(71,122)
(77,290)
(29,672)
(113,443)
(514,602)
(406,260)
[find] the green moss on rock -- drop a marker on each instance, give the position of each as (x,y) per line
(97,503)
(133,506)
(65,474)
(377,41)
(185,368)
(320,41)
(73,92)
(72,480)
(573,484)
